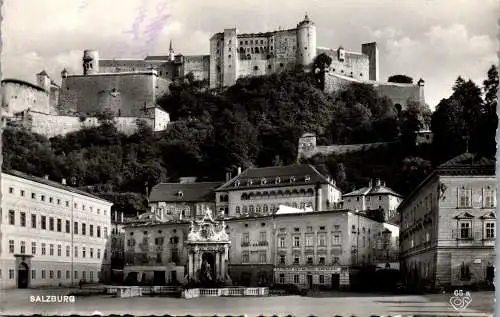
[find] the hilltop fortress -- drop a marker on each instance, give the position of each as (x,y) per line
(130,87)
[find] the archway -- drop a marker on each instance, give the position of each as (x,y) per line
(22,275)
(207,272)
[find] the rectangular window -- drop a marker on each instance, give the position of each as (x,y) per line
(68,226)
(336,239)
(51,200)
(33,274)
(282,242)
(322,260)
(91,230)
(51,250)
(51,224)
(309,240)
(67,275)
(84,229)
(262,257)
(84,275)
(296,279)
(282,259)
(245,257)
(76,252)
(11,246)
(33,196)
(23,247)
(322,240)
(22,193)
(105,232)
(33,248)
(43,274)
(263,237)
(296,260)
(44,249)
(51,274)
(75,274)
(91,252)
(11,190)
(98,253)
(23,219)
(44,222)
(98,231)
(75,227)
(322,279)
(68,250)
(33,221)
(246,237)
(12,217)
(11,274)
(489,230)
(59,250)
(464,197)
(489,198)
(43,197)
(282,278)
(465,230)
(59,225)
(310,260)
(296,241)
(84,251)
(59,274)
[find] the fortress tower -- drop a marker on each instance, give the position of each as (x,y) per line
(371,50)
(306,42)
(43,80)
(90,62)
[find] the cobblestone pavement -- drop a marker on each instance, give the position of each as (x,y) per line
(14,302)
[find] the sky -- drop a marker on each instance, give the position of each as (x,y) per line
(436,40)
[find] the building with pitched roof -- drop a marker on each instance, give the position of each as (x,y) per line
(52,234)
(260,191)
(448,225)
(375,196)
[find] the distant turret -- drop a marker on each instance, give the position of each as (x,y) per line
(64,73)
(306,42)
(43,80)
(90,62)
(171,54)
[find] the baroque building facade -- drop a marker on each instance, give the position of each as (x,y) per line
(298,239)
(448,225)
(52,234)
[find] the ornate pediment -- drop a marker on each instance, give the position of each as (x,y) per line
(207,230)
(489,215)
(464,215)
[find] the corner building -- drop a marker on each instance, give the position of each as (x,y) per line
(448,225)
(52,234)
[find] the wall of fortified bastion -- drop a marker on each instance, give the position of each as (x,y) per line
(51,125)
(125,93)
(401,94)
(18,96)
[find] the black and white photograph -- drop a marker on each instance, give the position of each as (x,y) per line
(248,158)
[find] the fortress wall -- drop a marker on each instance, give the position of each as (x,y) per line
(91,94)
(199,65)
(161,119)
(50,125)
(355,65)
(162,87)
(117,66)
(397,93)
(339,149)
(18,97)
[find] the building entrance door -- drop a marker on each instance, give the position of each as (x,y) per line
(335,281)
(159,278)
(309,280)
(22,275)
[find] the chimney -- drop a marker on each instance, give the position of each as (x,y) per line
(63,181)
(121,217)
(377,182)
(370,183)
(239,170)
(227,177)
(46,177)
(383,183)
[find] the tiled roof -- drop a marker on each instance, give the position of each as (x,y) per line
(51,183)
(468,160)
(188,192)
(263,177)
(373,190)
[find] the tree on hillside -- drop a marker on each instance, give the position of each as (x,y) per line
(320,65)
(402,79)
(416,117)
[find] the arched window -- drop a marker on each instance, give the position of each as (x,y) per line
(258,208)
(245,209)
(251,208)
(265,208)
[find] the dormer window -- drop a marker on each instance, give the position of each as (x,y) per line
(237,183)
(263,181)
(180,194)
(292,179)
(307,178)
(277,180)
